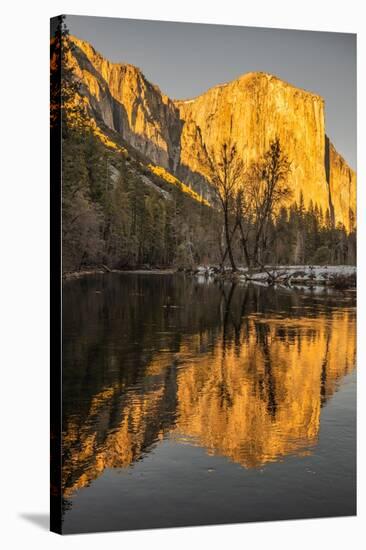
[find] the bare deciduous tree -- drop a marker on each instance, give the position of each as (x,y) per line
(227,172)
(264,189)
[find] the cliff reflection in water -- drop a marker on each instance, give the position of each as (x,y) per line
(238,370)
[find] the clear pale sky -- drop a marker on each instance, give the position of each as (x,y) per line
(185,59)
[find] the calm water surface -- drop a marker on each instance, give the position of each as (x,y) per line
(188,402)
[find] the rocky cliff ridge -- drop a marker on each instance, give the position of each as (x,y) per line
(250,111)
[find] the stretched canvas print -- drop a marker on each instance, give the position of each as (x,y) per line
(203,274)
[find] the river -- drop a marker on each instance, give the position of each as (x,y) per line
(191,402)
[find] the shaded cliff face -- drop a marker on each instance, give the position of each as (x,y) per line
(250,111)
(121,97)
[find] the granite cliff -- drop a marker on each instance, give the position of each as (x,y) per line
(179,135)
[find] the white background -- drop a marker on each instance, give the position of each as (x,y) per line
(24,273)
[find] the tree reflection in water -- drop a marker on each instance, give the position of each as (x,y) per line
(241,371)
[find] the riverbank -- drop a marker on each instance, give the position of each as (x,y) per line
(104,270)
(339,277)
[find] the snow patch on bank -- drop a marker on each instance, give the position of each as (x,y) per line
(290,274)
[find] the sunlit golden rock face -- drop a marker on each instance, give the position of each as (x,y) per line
(249,111)
(253,399)
(342,182)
